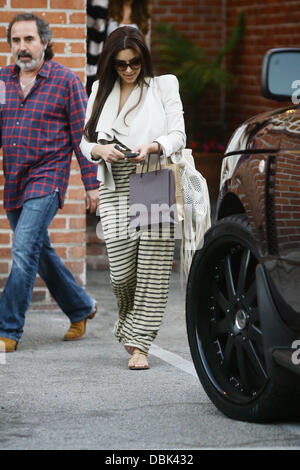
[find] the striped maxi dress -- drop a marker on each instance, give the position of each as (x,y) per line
(140,264)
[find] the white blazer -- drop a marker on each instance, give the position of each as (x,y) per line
(159,116)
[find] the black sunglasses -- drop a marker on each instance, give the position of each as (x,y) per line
(122,65)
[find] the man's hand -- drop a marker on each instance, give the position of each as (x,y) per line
(92,200)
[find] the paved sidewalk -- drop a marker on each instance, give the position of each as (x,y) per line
(59,395)
(68,395)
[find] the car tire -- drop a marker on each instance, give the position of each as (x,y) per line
(223,326)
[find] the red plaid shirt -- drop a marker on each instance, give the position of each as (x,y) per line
(39,133)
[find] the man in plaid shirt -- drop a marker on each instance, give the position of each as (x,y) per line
(42,112)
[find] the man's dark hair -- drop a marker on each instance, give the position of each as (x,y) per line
(43,28)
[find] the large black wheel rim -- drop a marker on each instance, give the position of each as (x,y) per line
(228,331)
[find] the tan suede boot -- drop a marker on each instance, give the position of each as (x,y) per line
(7,344)
(77,329)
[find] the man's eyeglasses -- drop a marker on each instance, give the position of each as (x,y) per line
(122,65)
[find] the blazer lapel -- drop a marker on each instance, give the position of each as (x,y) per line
(122,125)
(110,121)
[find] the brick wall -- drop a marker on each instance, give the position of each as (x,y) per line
(272,23)
(201,20)
(269,24)
(204,22)
(68,229)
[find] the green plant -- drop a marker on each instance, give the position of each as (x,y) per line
(196,73)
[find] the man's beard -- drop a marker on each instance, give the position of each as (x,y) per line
(32,64)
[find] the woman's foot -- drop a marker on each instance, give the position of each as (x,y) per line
(129,349)
(138,360)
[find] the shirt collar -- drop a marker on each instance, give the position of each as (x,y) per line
(43,72)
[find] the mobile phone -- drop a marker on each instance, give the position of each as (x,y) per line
(117,147)
(131,154)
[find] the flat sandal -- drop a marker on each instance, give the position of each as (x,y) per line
(136,353)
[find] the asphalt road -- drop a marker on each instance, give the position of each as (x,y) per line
(60,395)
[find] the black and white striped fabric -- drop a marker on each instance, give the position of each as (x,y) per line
(96,35)
(140,264)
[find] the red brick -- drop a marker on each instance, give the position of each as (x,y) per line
(4,224)
(77,48)
(38,295)
(4,238)
(61,251)
(67,4)
(77,18)
(5,253)
(3,61)
(77,252)
(69,33)
(59,47)
(4,268)
(75,180)
(70,208)
(78,193)
(75,266)
(50,17)
(69,237)
(77,223)
(28,4)
(58,222)
(2,32)
(4,47)
(3,280)
(72,62)
(75,165)
(81,75)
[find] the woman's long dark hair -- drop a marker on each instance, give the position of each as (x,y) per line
(140,12)
(124,37)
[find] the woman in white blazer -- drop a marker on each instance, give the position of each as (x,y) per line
(140,113)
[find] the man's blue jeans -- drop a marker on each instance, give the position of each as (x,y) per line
(32,253)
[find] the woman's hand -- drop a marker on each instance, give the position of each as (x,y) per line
(108,152)
(144,150)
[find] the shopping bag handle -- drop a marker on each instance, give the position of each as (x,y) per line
(158,161)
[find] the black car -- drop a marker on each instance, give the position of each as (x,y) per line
(243,291)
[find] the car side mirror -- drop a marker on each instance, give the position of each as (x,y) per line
(280,78)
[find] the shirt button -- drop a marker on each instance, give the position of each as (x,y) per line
(14,144)
(18,123)
(22,105)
